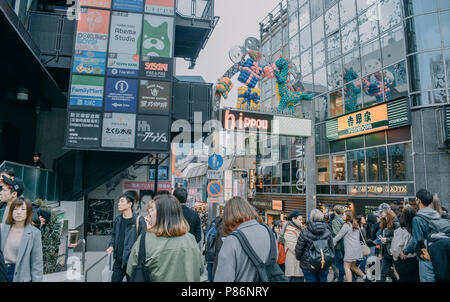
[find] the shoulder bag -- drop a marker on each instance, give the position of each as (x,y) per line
(365,249)
(141,273)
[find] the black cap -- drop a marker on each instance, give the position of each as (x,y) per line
(293,214)
(38,154)
(16,184)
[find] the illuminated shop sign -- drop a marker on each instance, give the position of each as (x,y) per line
(240,120)
(382,117)
(378,189)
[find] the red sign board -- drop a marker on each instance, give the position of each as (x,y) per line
(141,185)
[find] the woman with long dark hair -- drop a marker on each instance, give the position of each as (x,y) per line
(388,225)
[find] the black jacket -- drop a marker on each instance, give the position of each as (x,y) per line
(389,235)
(219,235)
(194,222)
(3,276)
(439,251)
(314,231)
(130,236)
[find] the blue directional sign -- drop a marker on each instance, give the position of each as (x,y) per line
(215,161)
(121,95)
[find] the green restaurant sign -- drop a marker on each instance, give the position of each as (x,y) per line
(373,119)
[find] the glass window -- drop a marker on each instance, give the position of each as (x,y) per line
(338,167)
(276,177)
(356,166)
(305,37)
(444,4)
(332,20)
(320,81)
(285,34)
(371,57)
(348,10)
(322,146)
(400,162)
(334,74)
(334,46)
(429,97)
(426,71)
(317,30)
(368,27)
(284,148)
(363,4)
(323,172)
(323,189)
(339,189)
(373,89)
(321,105)
(294,169)
(308,79)
(319,55)
(445,24)
(355,142)
(336,106)
(377,164)
(422,32)
(349,37)
(266,49)
(286,172)
(393,47)
(304,15)
(294,47)
(292,6)
(399,135)
(353,95)
(414,7)
(306,62)
(395,81)
(375,139)
(390,14)
(337,146)
(293,25)
(316,8)
(276,42)
(447,62)
(351,61)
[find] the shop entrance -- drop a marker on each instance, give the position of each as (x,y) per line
(366,206)
(271,217)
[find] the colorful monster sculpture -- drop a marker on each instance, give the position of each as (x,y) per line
(287,96)
(223,87)
(351,91)
(255,55)
(269,71)
(248,98)
(373,86)
(250,74)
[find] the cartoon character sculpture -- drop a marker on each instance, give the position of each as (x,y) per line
(251,73)
(223,87)
(248,98)
(351,90)
(286,95)
(269,71)
(373,86)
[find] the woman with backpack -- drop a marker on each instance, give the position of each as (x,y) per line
(293,230)
(316,230)
(171,252)
(352,246)
(389,223)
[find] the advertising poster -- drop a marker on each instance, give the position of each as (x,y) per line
(124,47)
(152,132)
(160,7)
(87,91)
(129,5)
(118,130)
(157,68)
(96,3)
(163,173)
(89,62)
(157,36)
(92,30)
(121,95)
(154,97)
(84,129)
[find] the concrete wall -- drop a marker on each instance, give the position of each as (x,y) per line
(74,213)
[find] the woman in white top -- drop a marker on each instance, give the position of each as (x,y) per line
(22,244)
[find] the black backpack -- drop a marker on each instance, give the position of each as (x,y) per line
(438,227)
(266,272)
(141,273)
(321,255)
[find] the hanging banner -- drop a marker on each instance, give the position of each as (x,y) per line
(92,30)
(154,97)
(89,62)
(84,129)
(129,5)
(157,36)
(96,3)
(121,95)
(118,130)
(152,132)
(160,7)
(87,91)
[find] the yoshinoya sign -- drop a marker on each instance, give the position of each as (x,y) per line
(373,119)
(154,96)
(157,68)
(246,121)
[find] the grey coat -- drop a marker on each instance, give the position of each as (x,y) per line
(233,264)
(29,264)
(352,245)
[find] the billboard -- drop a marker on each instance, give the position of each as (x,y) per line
(84,129)
(154,97)
(157,68)
(92,30)
(157,36)
(129,5)
(89,62)
(86,91)
(152,132)
(160,7)
(118,130)
(121,95)
(96,3)
(123,64)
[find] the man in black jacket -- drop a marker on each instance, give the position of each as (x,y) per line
(438,253)
(124,235)
(191,216)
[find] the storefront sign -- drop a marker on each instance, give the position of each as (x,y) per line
(122,64)
(92,30)
(118,130)
(246,121)
(385,116)
(154,97)
(378,189)
(121,95)
(160,7)
(152,132)
(96,3)
(157,68)
(87,91)
(263,204)
(277,205)
(89,62)
(129,5)
(158,36)
(140,185)
(84,129)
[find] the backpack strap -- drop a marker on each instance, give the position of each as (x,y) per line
(273,247)
(247,248)
(137,225)
(141,255)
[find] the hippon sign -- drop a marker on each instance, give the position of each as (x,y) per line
(246,121)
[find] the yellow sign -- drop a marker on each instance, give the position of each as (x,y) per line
(277,205)
(362,122)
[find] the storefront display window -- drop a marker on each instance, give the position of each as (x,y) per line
(284,148)
(355,142)
(348,10)
(305,37)
(294,168)
(323,189)
(356,166)
(323,170)
(338,168)
(337,146)
(336,103)
(322,145)
(376,139)
(276,177)
(400,162)
(395,81)
(377,164)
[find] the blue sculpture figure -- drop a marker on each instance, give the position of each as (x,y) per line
(248,96)
(351,92)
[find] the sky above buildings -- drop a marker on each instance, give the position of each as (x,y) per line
(239,19)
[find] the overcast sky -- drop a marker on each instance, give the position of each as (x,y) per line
(239,19)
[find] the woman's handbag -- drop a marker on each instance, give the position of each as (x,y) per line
(365,249)
(141,273)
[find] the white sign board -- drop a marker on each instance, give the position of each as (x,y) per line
(211,174)
(118,130)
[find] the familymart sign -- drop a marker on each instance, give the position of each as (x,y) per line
(373,119)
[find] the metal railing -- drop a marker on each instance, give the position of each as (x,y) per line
(109,263)
(198,9)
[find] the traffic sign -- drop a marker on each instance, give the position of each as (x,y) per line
(215,189)
(215,161)
(213,174)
